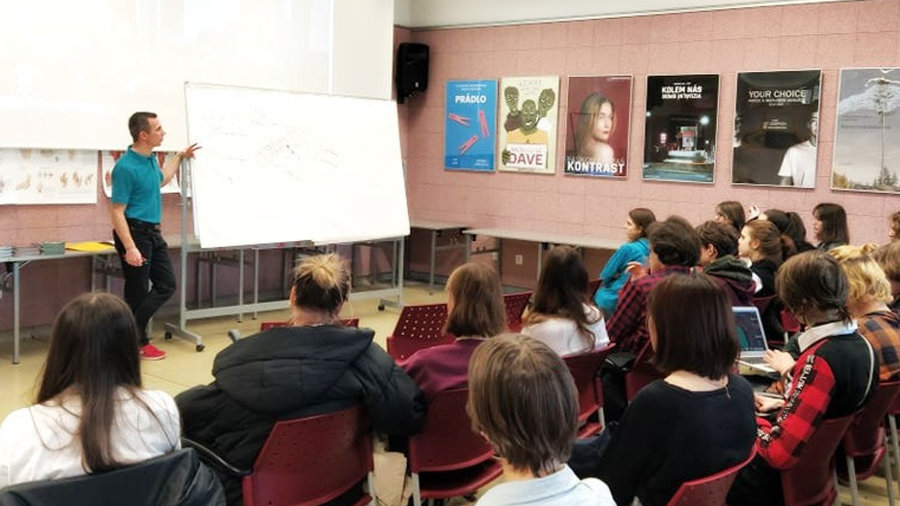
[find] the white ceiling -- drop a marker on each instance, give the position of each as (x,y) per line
(448,13)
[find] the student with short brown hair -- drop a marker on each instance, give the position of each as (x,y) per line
(699,419)
(560,316)
(523,399)
(718,257)
(475,313)
(836,372)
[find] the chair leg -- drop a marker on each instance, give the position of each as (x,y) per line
(370,482)
(888,479)
(851,476)
(892,424)
(837,489)
(417,495)
(602,417)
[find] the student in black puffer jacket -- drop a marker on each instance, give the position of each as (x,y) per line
(313,366)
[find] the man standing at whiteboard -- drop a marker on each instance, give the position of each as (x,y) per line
(136,212)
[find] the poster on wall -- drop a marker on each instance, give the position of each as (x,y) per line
(528,112)
(867,137)
(597,126)
(776,128)
(48,176)
(470,125)
(108,160)
(680,128)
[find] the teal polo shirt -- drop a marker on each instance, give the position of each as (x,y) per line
(135,182)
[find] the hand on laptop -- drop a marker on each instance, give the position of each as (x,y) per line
(765,404)
(779,360)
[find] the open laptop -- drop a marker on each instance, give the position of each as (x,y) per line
(752,338)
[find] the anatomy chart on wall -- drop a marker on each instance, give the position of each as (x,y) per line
(108,160)
(48,176)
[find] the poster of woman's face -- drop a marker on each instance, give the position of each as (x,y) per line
(776,128)
(597,126)
(867,136)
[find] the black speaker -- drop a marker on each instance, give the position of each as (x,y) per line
(412,69)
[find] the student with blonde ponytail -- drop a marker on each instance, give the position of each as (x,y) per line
(313,366)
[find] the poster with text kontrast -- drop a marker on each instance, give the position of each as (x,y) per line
(867,136)
(680,128)
(470,121)
(527,136)
(776,128)
(597,126)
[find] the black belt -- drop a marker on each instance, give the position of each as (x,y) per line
(143,225)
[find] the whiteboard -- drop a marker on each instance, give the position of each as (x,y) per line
(278,166)
(73,72)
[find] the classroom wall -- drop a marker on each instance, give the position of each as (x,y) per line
(829,36)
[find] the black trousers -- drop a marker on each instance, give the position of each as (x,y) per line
(157,268)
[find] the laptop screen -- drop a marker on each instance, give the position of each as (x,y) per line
(749,329)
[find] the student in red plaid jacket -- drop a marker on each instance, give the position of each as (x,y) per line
(836,372)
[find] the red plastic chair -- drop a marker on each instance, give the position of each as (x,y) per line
(446,458)
(347,322)
(864,440)
(789,322)
(711,490)
(892,414)
(418,327)
(585,370)
(313,460)
(642,373)
(762,303)
(593,286)
(811,479)
(515,305)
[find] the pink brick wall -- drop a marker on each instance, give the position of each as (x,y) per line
(827,36)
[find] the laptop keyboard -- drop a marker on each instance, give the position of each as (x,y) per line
(754,360)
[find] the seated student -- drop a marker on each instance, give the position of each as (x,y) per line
(314,366)
(613,276)
(698,420)
(796,230)
(560,316)
(834,376)
(523,400)
(731,212)
(91,414)
(888,257)
(718,257)
(894,230)
(830,226)
(766,248)
(674,248)
(475,313)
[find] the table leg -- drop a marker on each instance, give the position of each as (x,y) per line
(431,262)
(17,334)
(241,284)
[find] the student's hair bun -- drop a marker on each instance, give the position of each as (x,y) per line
(322,283)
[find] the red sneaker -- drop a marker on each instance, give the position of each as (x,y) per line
(150,352)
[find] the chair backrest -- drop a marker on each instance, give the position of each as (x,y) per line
(593,286)
(762,303)
(811,479)
(311,460)
(711,490)
(642,372)
(789,322)
(446,441)
(585,369)
(866,433)
(423,321)
(515,305)
(176,478)
(347,322)
(401,348)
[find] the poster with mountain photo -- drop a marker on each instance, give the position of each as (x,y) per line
(867,131)
(680,128)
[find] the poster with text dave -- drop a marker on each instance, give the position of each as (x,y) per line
(597,126)
(470,125)
(776,128)
(528,112)
(867,140)
(680,128)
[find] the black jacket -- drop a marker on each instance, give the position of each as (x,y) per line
(734,277)
(176,479)
(289,372)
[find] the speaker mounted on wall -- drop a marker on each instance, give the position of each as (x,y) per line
(412,69)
